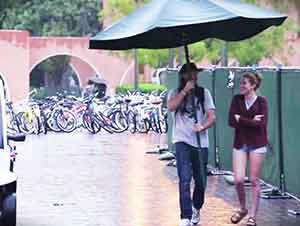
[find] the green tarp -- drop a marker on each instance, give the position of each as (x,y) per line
(221,136)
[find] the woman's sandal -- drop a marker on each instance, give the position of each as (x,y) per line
(251,222)
(238,216)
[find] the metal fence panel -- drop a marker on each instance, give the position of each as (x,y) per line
(205,79)
(270,172)
(223,97)
(291,129)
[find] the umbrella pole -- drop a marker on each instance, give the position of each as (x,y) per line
(136,70)
(202,167)
(186,51)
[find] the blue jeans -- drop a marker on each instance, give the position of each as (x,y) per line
(188,166)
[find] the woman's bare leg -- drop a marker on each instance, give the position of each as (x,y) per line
(256,161)
(239,169)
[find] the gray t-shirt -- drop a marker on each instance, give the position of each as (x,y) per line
(183,123)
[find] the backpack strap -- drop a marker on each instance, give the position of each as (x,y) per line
(202,98)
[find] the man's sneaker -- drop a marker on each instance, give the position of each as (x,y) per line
(185,222)
(196,216)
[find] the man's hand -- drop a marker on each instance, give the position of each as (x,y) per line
(189,86)
(198,127)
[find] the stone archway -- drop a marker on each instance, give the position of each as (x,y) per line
(72,78)
(73,64)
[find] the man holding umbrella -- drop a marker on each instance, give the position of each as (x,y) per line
(185,132)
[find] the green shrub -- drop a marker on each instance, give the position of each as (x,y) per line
(143,87)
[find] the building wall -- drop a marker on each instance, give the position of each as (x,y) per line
(82,68)
(14,64)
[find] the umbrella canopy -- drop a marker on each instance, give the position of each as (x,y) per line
(172,23)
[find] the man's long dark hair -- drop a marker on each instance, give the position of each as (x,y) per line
(198,92)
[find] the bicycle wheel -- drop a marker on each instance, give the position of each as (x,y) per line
(131,120)
(163,125)
(143,126)
(90,123)
(154,124)
(104,122)
(52,122)
(13,125)
(27,125)
(119,122)
(66,121)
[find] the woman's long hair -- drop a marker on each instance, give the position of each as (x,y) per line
(198,92)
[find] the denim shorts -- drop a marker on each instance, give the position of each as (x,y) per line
(247,149)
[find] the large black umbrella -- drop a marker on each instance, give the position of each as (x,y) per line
(172,23)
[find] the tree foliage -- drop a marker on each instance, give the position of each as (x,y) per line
(54,75)
(143,87)
(55,66)
(53,18)
(155,58)
(116,9)
(5,6)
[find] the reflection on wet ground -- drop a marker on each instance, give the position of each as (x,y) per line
(107,180)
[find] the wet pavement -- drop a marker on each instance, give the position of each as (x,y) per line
(80,179)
